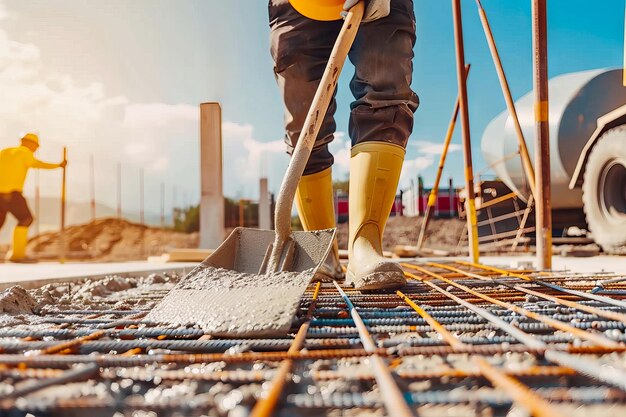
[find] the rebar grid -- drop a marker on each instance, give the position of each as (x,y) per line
(478,340)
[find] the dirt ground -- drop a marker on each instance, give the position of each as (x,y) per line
(108,240)
(441,234)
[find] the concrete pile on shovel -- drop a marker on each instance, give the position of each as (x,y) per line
(252,284)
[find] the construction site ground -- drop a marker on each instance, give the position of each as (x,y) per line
(458,340)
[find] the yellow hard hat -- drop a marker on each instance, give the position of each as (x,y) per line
(31,137)
(319,9)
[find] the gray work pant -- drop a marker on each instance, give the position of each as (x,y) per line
(382,55)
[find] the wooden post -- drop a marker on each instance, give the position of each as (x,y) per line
(470,205)
(62,247)
(506,92)
(543,208)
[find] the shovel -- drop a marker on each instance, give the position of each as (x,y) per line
(252,284)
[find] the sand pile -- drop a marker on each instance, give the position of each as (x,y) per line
(108,240)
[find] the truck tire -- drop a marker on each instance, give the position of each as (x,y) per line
(604,190)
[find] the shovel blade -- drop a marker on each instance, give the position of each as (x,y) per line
(226,296)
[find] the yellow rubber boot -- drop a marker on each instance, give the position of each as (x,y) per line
(374,174)
(316,209)
(20,239)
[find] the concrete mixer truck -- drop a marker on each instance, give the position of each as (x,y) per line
(588,152)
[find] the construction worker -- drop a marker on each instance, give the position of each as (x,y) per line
(302,36)
(14,165)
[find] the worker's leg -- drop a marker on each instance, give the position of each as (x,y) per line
(19,208)
(381,121)
(300,48)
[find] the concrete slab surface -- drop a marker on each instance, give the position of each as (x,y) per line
(36,275)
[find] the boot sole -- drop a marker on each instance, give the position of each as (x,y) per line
(385,281)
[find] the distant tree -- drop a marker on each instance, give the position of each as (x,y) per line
(187,220)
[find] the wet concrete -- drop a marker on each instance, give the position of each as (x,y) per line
(228,303)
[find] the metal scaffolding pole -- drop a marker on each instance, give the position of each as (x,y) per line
(470,206)
(542,142)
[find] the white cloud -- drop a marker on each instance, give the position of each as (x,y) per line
(153,115)
(414,166)
(246,159)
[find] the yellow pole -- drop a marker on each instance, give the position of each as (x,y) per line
(62,249)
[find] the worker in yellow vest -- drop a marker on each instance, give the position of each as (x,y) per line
(14,165)
(302,35)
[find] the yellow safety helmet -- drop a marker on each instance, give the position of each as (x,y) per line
(31,137)
(319,9)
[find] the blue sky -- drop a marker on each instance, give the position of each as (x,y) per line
(122,79)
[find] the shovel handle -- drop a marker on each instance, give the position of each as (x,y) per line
(312,124)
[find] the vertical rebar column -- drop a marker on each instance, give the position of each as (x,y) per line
(211,196)
(92,186)
(542,142)
(119,190)
(470,207)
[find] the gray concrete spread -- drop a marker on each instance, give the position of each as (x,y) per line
(233,304)
(226,295)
